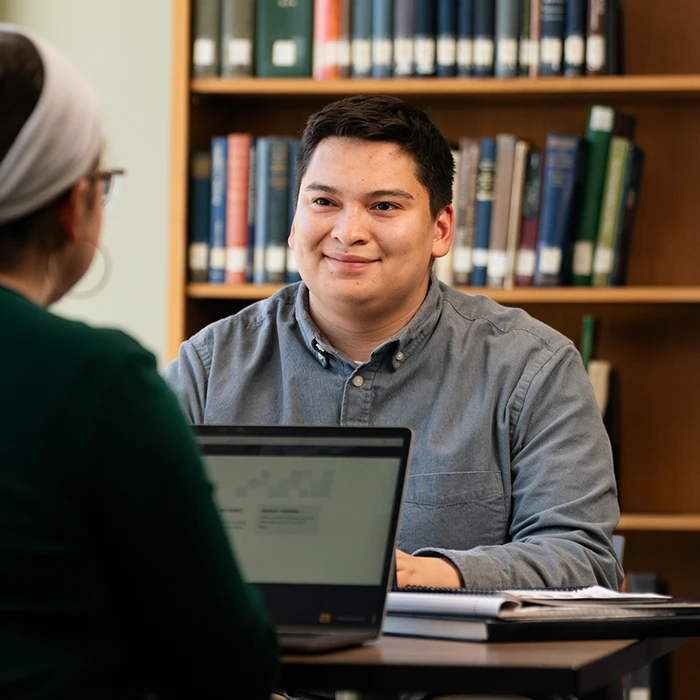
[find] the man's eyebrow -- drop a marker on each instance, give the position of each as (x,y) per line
(328,189)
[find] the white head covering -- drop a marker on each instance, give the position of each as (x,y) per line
(59,142)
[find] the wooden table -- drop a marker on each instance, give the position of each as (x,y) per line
(585,669)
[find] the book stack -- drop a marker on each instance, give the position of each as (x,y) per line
(330,39)
(591,612)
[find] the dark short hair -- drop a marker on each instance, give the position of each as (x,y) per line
(21,83)
(392,120)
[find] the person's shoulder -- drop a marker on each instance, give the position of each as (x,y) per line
(505,321)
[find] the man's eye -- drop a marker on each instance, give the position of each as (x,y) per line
(322,201)
(385,206)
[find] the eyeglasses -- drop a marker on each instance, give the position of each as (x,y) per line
(107,180)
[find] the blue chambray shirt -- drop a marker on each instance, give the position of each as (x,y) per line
(511,476)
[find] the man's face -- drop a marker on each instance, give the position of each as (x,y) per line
(363,236)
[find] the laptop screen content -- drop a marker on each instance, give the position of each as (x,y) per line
(311,513)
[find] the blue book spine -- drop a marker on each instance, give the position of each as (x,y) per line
(465,38)
(552,21)
(404,45)
(425,38)
(361,39)
(198,216)
(484,204)
(278,211)
(561,165)
(382,38)
(292,270)
(217,228)
(484,32)
(575,38)
(252,189)
(446,38)
(507,35)
(260,237)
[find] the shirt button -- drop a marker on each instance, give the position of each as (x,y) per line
(399,356)
(357,380)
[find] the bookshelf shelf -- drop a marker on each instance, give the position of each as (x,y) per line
(652,87)
(645,522)
(555,295)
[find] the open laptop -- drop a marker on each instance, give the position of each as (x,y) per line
(312,513)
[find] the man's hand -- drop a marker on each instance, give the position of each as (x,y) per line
(426,571)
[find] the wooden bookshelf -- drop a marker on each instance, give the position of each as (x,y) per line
(649,330)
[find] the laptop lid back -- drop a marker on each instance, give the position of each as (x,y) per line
(312,514)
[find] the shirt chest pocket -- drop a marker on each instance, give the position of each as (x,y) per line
(454,510)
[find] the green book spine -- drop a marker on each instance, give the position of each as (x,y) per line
(587,338)
(610,210)
(206,18)
(601,120)
(283,39)
(237,29)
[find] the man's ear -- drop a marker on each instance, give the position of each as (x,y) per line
(290,239)
(443,231)
(72,209)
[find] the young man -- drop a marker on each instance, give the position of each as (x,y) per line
(511,482)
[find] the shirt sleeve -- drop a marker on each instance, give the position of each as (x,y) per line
(564,493)
(201,625)
(187,377)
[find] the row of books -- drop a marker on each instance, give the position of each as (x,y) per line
(329,39)
(564,216)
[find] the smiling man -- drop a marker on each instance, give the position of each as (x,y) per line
(511,481)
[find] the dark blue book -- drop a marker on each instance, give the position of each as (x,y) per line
(552,22)
(425,44)
(404,29)
(465,38)
(260,236)
(507,35)
(198,216)
(484,205)
(446,38)
(559,189)
(292,270)
(575,38)
(252,188)
(484,33)
(382,38)
(361,39)
(217,223)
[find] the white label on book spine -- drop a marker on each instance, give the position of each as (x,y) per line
(343,53)
(465,53)
(525,263)
(462,260)
(403,55)
(447,51)
(534,53)
(550,260)
(198,256)
(595,52)
(550,51)
(284,53)
(602,118)
(362,55)
(330,53)
(497,264)
(574,50)
(239,52)
(602,260)
(640,694)
(276,258)
(480,257)
(507,53)
(236,259)
(483,53)
(525,52)
(291,261)
(217,258)
(583,258)
(204,52)
(425,56)
(381,52)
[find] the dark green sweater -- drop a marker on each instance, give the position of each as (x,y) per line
(115,570)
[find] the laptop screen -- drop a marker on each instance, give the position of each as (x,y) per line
(311,512)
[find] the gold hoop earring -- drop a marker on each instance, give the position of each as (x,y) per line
(92,291)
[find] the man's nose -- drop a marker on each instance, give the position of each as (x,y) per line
(351,226)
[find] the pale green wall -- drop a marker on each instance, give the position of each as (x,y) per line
(123,48)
